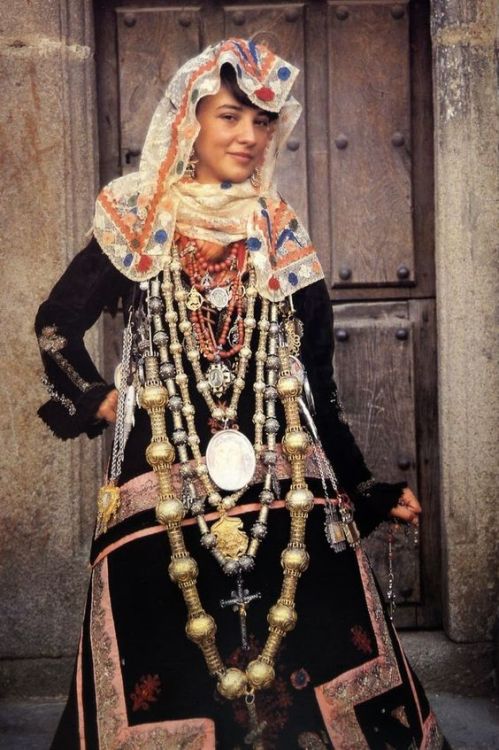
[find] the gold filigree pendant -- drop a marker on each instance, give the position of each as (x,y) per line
(232,541)
(108,503)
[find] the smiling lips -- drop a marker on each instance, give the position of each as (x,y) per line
(241,156)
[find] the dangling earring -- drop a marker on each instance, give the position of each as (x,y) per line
(256,178)
(190,169)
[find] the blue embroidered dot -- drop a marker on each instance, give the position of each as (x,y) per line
(239,71)
(194,95)
(293,279)
(127,260)
(253,243)
(180,167)
(283,74)
(226,184)
(161,236)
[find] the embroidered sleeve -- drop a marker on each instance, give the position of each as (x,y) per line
(372,499)
(75,387)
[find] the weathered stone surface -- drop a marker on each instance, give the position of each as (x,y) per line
(47,487)
(444,666)
(467,190)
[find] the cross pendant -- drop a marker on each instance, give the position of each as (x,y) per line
(239,600)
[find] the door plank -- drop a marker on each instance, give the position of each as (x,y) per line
(369,118)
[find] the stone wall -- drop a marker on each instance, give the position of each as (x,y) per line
(48,185)
(467,197)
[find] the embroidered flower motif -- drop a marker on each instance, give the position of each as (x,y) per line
(283,73)
(145,692)
(253,243)
(144,263)
(161,236)
(274,709)
(312,741)
(265,94)
(361,639)
(300,679)
(274,283)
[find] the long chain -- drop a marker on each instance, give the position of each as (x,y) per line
(201,628)
(121,432)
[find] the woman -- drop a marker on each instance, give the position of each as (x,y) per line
(198,631)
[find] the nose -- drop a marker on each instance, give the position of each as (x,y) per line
(246,132)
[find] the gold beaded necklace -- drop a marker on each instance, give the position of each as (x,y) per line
(201,628)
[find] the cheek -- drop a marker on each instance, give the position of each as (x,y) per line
(263,142)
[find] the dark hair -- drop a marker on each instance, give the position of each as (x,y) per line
(228,78)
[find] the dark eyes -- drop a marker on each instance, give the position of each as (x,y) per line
(261,121)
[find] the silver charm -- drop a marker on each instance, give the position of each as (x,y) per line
(230,460)
(219,297)
(233,336)
(219,376)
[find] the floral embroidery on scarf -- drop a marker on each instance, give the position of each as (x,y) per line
(300,679)
(145,692)
(360,639)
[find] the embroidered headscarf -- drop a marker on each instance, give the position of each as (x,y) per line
(137,215)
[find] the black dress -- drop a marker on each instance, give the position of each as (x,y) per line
(342,680)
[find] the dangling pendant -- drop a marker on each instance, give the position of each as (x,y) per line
(232,540)
(230,460)
(108,504)
(218,297)
(219,377)
(194,300)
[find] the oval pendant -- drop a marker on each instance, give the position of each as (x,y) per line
(230,460)
(218,297)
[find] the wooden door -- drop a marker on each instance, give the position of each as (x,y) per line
(358,169)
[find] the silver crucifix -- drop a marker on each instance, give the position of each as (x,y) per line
(239,601)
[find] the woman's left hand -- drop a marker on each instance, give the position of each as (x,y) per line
(408,508)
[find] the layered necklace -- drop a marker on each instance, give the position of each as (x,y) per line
(181,323)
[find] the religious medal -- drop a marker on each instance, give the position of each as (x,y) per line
(230,459)
(219,376)
(194,300)
(218,297)
(108,503)
(232,540)
(233,336)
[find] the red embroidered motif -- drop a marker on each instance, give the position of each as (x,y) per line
(146,691)
(361,640)
(300,679)
(265,94)
(144,263)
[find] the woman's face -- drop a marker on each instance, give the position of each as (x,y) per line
(232,139)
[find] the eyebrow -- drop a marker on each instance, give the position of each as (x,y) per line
(239,108)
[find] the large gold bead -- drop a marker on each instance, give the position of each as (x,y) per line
(282,616)
(295,442)
(170,511)
(160,452)
(154,396)
(200,628)
(232,684)
(295,559)
(300,499)
(260,674)
(183,569)
(288,386)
